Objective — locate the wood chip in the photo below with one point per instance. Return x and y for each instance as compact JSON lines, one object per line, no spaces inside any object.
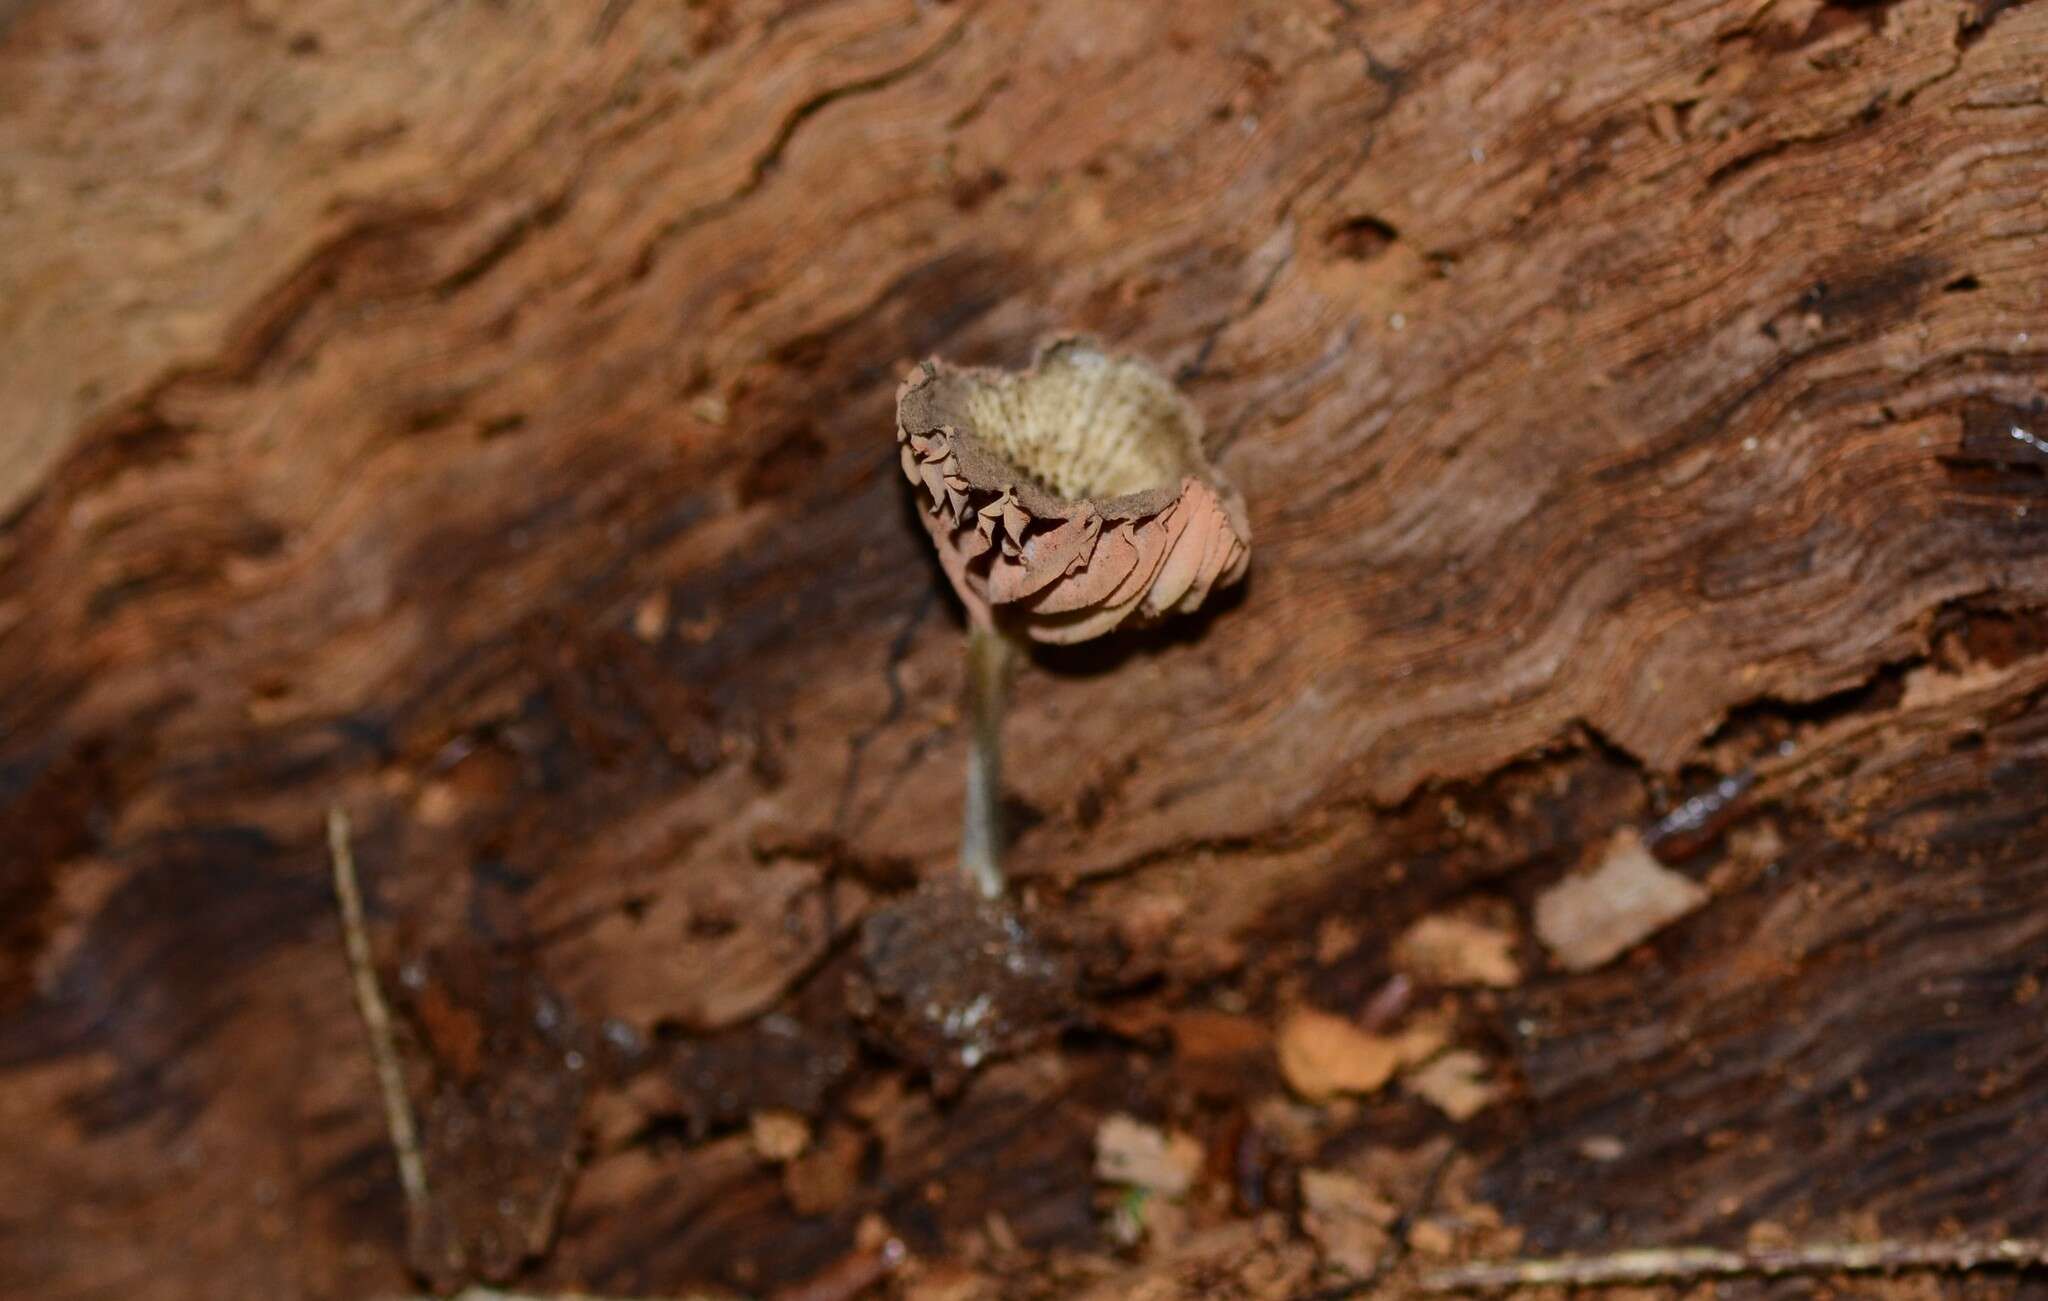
{"x":827,"y":1175}
{"x":711,"y":409}
{"x":1323,"y":1055}
{"x":779,"y":1135}
{"x":650,"y":617}
{"x":1429,"y":1237}
{"x":1455,"y":1083}
{"x":1349,"y":1222}
{"x":1129,"y":1151}
{"x":1215,"y":1053}
{"x":1587,"y":920}
{"x":950,"y":1282}
{"x":1450,"y":950}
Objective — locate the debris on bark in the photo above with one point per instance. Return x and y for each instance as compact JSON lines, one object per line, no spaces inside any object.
{"x":1452,"y":949}
{"x":776,"y":1064}
{"x":825,"y":1177}
{"x":1591,"y":919}
{"x":1129,"y":1151}
{"x":950,"y":979}
{"x":779,"y":1136}
{"x":1323,"y":1055}
{"x":1456,"y":1083}
{"x":1349,"y":1221}
{"x":511,"y":1065}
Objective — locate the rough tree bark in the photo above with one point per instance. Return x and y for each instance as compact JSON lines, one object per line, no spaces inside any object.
{"x":479,"y":415}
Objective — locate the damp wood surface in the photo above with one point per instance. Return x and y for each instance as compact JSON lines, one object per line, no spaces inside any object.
{"x":480,"y":416}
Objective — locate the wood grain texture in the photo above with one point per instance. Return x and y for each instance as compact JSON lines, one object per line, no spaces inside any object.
{"x":481,"y":415}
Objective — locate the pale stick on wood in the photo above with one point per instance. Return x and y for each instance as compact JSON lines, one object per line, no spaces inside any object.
{"x":1649,"y":1264}
{"x":412,"y":1172}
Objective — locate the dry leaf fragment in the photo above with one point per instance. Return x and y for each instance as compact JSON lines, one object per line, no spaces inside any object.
{"x":1454,"y":1083}
{"x":778,"y":1135}
{"x":827,"y":1174}
{"x":1348,"y":1220}
{"x":1429,"y":1237}
{"x":950,"y":1282}
{"x":1586,"y":920}
{"x":1452,"y":950}
{"x":650,"y":617}
{"x":1324,"y":1055}
{"x":1129,"y":1151}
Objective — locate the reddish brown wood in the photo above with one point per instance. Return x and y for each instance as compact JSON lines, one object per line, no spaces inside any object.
{"x":481,"y":415}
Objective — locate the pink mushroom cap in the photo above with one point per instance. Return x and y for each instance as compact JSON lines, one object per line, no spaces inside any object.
{"x":1070,"y":497}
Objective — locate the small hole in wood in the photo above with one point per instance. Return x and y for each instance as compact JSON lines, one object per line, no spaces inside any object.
{"x":1361,"y":238}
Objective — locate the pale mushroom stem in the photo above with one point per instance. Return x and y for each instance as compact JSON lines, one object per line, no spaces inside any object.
{"x":990,"y":658}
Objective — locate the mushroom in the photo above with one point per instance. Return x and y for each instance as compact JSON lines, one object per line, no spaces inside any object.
{"x":1066,"y":500}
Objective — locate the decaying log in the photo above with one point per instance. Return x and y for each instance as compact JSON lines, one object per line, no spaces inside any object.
{"x":480,"y":416}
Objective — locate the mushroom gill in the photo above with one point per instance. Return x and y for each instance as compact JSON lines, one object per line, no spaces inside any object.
{"x":1070,"y":497}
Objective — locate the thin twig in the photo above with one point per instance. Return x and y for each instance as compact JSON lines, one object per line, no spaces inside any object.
{"x":1644,"y":1265}
{"x":493,"y":1294}
{"x":477,"y":1292}
{"x":405,"y":1138}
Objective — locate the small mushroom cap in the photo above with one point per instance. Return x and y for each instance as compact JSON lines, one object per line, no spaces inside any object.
{"x":1069,"y":497}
